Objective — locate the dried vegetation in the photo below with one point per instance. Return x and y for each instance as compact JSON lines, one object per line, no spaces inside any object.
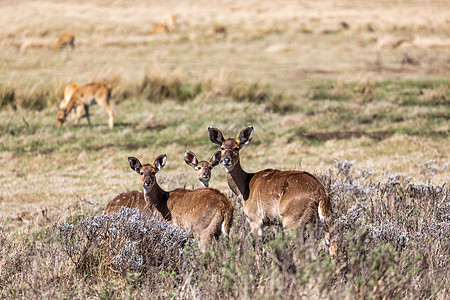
{"x":393,"y":238}
{"x":323,"y":82}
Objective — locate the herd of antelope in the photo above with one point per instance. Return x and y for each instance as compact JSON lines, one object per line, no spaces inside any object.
{"x":268,"y":196}
{"x":294,"y":197}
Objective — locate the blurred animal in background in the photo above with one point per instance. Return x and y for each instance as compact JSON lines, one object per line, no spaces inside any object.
{"x":165,"y":27}
{"x":220,"y":30}
{"x":64,"y":40}
{"x":68,"y":91}
{"x":81,"y":97}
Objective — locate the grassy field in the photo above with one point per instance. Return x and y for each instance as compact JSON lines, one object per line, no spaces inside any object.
{"x":355,"y":85}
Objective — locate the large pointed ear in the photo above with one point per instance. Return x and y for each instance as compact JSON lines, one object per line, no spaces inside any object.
{"x":190,"y":158}
{"x":215,"y":136}
{"x":135,"y":164}
{"x":245,"y":136}
{"x":215,"y":159}
{"x":160,"y":162}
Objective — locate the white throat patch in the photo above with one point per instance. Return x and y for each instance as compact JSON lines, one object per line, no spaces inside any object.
{"x":205,"y":184}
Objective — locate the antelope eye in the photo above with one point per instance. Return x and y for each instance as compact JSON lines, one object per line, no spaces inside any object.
{"x":142,"y":173}
{"x":222,"y":148}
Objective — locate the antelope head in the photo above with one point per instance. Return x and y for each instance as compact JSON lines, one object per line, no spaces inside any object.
{"x":147,"y":171}
{"x":203,"y":168}
{"x":230,"y":147}
{"x":61,"y":116}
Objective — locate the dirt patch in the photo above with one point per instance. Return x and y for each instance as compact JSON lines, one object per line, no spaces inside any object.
{"x":342,"y":135}
{"x":302,"y":72}
{"x":99,"y":147}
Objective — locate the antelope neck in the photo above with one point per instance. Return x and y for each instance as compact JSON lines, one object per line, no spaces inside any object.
{"x":238,"y":181}
{"x":157,"y":198}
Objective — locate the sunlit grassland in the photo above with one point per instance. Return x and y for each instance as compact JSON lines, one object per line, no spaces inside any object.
{"x":321,"y":82}
{"x":310,"y":133}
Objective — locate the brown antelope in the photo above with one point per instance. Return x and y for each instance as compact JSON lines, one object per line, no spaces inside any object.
{"x":164,"y":27}
{"x":220,"y":30}
{"x":63,"y":41}
{"x":205,"y":213}
{"x":84,"y":96}
{"x":203,"y":168}
{"x":295,"y":197}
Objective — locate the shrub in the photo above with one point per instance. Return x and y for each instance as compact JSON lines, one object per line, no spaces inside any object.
{"x":393,"y":239}
{"x":127,"y":241}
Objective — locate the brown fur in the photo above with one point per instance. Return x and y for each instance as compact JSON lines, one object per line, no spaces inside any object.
{"x":200,"y":212}
{"x":160,"y":28}
{"x":84,"y":96}
{"x":269,"y":195}
{"x":66,"y":39}
{"x":203,"y":167}
{"x":68,"y":91}
{"x":164,"y":27}
{"x":220,"y":30}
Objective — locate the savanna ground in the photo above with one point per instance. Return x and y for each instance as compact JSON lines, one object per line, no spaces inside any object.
{"x":324,"y":83}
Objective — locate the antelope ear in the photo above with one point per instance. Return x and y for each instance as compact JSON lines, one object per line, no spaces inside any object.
{"x":160,"y":162}
{"x":215,"y":136}
{"x":190,"y":158}
{"x":245,"y":136}
{"x":215,"y":159}
{"x":135,"y":164}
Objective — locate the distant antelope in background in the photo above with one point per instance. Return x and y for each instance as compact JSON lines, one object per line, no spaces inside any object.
{"x":66,"y":39}
{"x":165,"y":27}
{"x":220,"y":30}
{"x":295,"y":197}
{"x":203,"y":167}
{"x":206,"y":213}
{"x":81,"y":98}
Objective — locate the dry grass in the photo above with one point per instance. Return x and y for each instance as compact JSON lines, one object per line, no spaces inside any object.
{"x":392,"y":236}
{"x":321,"y":81}
{"x":118,"y":43}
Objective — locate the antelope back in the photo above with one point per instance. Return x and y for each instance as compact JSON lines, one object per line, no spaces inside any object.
{"x":131,"y":199}
{"x":292,"y":195}
{"x":202,"y":211}
{"x":99,"y":91}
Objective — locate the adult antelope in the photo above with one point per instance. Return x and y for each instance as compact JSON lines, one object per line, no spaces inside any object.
{"x":82,"y":97}
{"x":165,"y":27}
{"x":63,"y":41}
{"x":295,"y":197}
{"x":203,"y":167}
{"x":205,"y":213}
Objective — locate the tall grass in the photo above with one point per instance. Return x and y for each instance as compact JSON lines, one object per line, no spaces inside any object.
{"x":152,"y":88}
